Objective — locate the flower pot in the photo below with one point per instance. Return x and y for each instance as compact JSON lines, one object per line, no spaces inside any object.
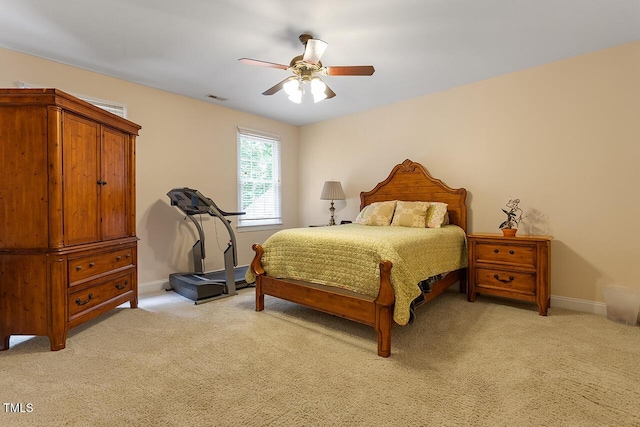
{"x":510,"y":232}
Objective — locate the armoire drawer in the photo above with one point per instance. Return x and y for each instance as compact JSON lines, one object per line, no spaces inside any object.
{"x":100,"y":263}
{"x":93,"y":296}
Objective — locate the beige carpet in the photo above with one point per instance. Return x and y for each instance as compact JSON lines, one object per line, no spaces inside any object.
{"x":172,"y":363}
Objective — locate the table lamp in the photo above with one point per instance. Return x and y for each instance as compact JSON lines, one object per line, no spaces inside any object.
{"x":332,"y":190}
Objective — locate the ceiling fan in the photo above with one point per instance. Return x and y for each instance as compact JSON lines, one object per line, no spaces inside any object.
{"x":306,"y":69}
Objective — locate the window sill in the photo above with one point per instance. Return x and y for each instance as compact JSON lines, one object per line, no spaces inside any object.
{"x":250,"y":228}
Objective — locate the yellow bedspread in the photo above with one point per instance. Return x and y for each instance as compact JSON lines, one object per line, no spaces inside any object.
{"x":348,"y":256}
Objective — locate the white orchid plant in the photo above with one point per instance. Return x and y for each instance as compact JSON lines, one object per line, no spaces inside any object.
{"x":514,"y":214}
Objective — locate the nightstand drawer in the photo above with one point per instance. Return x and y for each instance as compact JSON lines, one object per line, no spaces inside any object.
{"x":505,"y":253}
{"x":504,"y":280}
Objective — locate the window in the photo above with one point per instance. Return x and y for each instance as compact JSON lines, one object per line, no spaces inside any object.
{"x":259,"y":185}
{"x":112,"y":107}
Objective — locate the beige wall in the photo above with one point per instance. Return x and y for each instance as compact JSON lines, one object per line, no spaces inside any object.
{"x":183,"y":142}
{"x":563,"y":137}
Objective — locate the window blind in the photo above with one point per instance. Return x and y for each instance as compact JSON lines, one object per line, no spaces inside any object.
{"x":259,"y":183}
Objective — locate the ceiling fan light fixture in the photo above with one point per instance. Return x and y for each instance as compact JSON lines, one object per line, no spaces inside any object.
{"x":296,"y":96}
{"x":292,"y":86}
{"x":305,"y":67}
{"x":318,"y":89}
{"x":317,"y":86}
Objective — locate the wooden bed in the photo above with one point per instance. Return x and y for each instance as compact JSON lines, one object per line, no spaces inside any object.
{"x":408,"y":181}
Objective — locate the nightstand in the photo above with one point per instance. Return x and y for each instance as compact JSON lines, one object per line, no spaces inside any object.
{"x":512,"y":267}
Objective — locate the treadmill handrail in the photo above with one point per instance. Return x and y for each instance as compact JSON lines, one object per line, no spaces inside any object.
{"x":194,"y":197}
{"x":224,"y":213}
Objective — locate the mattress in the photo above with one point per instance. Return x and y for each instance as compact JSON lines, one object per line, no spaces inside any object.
{"x":348,"y":256}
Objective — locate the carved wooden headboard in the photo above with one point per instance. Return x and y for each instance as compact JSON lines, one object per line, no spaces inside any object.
{"x":410,"y":181}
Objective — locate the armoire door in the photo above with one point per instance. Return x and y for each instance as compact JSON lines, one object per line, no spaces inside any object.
{"x":23,"y":178}
{"x":115,"y":184}
{"x":81,"y":176}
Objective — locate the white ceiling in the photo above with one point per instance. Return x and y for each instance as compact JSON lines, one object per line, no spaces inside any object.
{"x":192,"y":47}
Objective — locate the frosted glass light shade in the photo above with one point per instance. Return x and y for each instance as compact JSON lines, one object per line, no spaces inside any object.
{"x":291,"y":86}
{"x":296,"y":96}
{"x":317,"y":86}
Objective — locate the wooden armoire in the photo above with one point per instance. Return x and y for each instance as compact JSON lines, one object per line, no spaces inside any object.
{"x":68,"y":245}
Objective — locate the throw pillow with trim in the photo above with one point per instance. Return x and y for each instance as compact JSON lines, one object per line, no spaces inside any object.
{"x":436,"y":214}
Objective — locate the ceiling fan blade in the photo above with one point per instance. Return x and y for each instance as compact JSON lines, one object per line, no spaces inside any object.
{"x":276,"y":88}
{"x":263,"y":63}
{"x":329,"y":93}
{"x":314,"y":50}
{"x":354,"y":70}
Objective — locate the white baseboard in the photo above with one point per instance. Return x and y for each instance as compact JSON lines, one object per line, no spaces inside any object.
{"x":556,"y":301}
{"x":579,"y":305}
{"x":149,"y":287}
{"x":575,"y":304}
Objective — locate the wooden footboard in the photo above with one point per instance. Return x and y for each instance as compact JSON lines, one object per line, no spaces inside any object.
{"x":376,"y":312}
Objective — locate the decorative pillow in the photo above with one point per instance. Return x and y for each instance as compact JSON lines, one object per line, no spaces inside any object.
{"x":436,"y":214}
{"x":446,"y":219}
{"x":379,"y":213}
{"x":361,"y":215}
{"x":410,"y":214}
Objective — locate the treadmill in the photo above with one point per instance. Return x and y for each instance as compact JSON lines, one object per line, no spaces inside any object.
{"x":200,"y":286}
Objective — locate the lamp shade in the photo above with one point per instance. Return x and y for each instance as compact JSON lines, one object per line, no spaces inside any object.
{"x":332,"y":190}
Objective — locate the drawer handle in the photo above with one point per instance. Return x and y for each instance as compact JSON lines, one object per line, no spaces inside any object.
{"x":78,"y":267}
{"x":91,"y":264}
{"x":118,"y":258}
{"x":118,"y":287}
{"x":128,"y":256}
{"x":511,"y":278}
{"x":495,"y":251}
{"x":80,"y":302}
